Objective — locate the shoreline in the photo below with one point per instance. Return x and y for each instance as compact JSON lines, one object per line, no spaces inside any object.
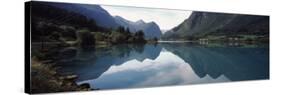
{"x":45,"y":78}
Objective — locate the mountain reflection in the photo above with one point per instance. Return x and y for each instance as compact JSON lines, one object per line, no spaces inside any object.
{"x":166,"y":69}
{"x":91,"y":63}
{"x":129,"y":65}
{"x":236,"y":63}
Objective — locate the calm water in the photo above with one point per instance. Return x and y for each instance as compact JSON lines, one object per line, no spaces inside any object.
{"x":126,"y":66}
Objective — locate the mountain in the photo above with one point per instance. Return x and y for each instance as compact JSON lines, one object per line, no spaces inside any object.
{"x":96,"y":12}
{"x":125,"y":23}
{"x":205,"y":23}
{"x":150,"y":29}
{"x":57,"y":23}
{"x":104,"y":19}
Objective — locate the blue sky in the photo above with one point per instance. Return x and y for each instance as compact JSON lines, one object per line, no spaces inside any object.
{"x":166,"y":19}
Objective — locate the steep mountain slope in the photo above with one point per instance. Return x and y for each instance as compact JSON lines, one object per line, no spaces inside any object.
{"x":96,"y":12}
{"x":205,"y":23}
{"x":150,"y":29}
{"x":50,"y":23}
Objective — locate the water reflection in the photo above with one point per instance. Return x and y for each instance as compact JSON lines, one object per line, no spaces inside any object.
{"x":236,"y":63}
{"x":161,"y":71}
{"x":91,"y":63}
{"x":125,"y":66}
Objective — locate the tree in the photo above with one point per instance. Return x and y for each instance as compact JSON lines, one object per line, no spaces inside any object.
{"x":85,"y":38}
{"x":121,"y":29}
{"x":155,"y":39}
{"x":117,"y":37}
{"x":127,"y":30}
{"x":139,"y":36}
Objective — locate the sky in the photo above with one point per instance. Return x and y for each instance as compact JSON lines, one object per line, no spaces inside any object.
{"x":166,"y":19}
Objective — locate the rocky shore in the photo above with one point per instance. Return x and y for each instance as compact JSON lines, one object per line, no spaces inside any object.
{"x":46,"y":79}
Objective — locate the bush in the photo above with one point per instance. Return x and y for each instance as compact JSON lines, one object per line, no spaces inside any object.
{"x":117,"y":37}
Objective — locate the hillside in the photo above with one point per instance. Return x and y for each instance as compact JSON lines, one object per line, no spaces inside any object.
{"x":201,"y":24}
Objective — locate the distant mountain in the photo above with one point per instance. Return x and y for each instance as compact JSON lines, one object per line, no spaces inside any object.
{"x":125,"y":23}
{"x":150,"y":29}
{"x":96,"y":12}
{"x":206,"y":23}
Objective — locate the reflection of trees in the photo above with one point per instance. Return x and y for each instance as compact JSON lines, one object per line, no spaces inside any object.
{"x":120,"y":51}
{"x":138,"y":48}
{"x":233,"y":62}
{"x":91,"y":63}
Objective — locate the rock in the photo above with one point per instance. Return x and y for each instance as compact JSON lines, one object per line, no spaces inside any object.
{"x":47,"y":61}
{"x":60,"y":83}
{"x":61,"y":78}
{"x":71,"y":77}
{"x":69,"y":84}
{"x":53,"y":72}
{"x":85,"y":85}
{"x":95,"y":89}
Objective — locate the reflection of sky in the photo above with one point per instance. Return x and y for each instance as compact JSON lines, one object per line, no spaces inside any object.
{"x":166,"y":69}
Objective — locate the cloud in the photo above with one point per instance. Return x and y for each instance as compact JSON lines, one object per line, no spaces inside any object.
{"x":166,"y":19}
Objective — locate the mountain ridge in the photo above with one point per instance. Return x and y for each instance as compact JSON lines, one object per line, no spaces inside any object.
{"x":205,"y":23}
{"x":150,"y":29}
{"x":95,"y":12}
{"x":104,"y":19}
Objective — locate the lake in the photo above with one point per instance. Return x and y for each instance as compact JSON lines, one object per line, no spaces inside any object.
{"x":162,"y":64}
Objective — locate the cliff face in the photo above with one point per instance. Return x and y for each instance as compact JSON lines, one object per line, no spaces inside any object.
{"x":204,"y":23}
